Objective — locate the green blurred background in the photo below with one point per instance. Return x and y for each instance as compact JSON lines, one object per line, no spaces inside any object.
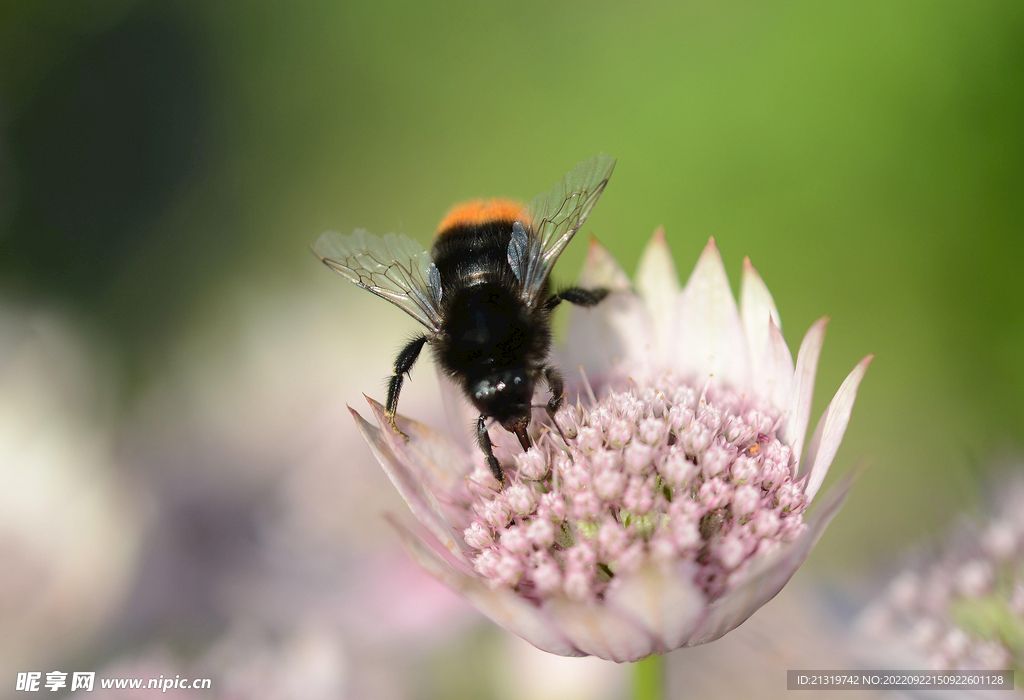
{"x":160,"y":158}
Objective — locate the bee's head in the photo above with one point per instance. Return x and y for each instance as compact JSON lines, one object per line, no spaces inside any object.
{"x":506,"y":395}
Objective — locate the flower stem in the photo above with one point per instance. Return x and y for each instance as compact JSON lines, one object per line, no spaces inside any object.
{"x":649,"y":678}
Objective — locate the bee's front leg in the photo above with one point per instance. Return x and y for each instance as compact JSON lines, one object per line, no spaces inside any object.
{"x":557,"y":386}
{"x":484,"y":440}
{"x":578,"y":296}
{"x":403,"y":365}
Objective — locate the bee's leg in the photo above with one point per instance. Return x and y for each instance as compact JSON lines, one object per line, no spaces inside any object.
{"x":577,"y":296}
{"x":403,"y":365}
{"x":484,"y":440}
{"x":557,"y":385}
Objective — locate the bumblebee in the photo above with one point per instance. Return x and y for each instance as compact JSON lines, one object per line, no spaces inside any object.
{"x":482,"y":293}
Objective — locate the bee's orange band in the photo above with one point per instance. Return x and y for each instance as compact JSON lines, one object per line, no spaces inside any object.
{"x":480,"y":211}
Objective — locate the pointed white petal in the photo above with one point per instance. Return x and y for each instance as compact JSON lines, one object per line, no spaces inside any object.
{"x":601,"y":269}
{"x":665,"y":601}
{"x":501,"y":605}
{"x":799,"y":414}
{"x":658,"y":284}
{"x":756,"y":308}
{"x":615,"y":331}
{"x":432,"y":457}
{"x":773,"y":375}
{"x":831,"y":428}
{"x":600,"y":630}
{"x":419,"y":499}
{"x":768,"y":578}
{"x":708,"y":337}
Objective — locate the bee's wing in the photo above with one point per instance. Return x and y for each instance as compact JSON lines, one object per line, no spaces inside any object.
{"x":551,"y":219}
{"x":394,"y":267}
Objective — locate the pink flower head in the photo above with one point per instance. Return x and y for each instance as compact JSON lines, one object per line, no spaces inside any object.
{"x":667,"y":502}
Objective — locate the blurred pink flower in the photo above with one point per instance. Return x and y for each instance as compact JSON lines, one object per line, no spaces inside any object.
{"x":661,"y":514}
{"x":962,"y":607}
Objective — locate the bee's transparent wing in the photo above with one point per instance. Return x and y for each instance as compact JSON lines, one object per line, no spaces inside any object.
{"x":551,"y":219}
{"x":393,"y":267}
